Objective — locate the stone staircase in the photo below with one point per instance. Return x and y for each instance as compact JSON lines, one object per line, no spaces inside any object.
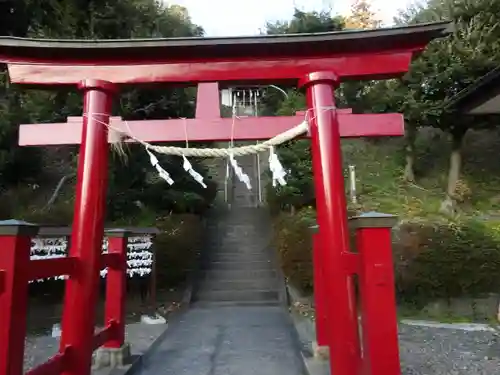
{"x":238,"y":265}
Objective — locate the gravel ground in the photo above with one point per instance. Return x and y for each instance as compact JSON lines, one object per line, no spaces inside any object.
{"x":438,"y":351}
{"x":427,"y":350}
{"x":140,"y":336}
{"x":423,"y":350}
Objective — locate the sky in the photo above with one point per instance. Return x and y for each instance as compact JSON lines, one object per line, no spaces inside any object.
{"x":246,"y":17}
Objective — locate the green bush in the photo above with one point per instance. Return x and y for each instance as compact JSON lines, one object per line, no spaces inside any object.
{"x":446,"y":260}
{"x":432,"y":260}
{"x":176,"y":248}
{"x":293,"y":241}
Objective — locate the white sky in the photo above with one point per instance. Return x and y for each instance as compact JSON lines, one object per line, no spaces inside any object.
{"x":246,"y":17}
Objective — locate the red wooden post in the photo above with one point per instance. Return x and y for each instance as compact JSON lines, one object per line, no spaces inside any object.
{"x":377,"y":293}
{"x":320,"y":295}
{"x":332,"y":219}
{"x":114,"y":308}
{"x":15,"y":242}
{"x":88,"y":228}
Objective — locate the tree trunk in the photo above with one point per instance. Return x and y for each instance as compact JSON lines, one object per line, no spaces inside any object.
{"x":448,"y":206}
{"x":58,"y":188}
{"x":411,"y":136}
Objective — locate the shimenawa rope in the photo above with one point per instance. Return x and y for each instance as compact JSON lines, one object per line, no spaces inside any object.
{"x":286,"y":136}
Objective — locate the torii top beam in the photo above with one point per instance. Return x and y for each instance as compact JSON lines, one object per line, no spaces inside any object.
{"x":208,"y":125}
{"x":370,"y":54}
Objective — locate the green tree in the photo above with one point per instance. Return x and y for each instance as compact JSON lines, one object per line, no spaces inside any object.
{"x":306,"y":22}
{"x":296,"y":155}
{"x":447,"y":66}
{"x":132,"y":181}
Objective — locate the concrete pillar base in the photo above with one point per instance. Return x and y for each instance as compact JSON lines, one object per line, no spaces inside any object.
{"x":111,"y":357}
{"x":320,"y":352}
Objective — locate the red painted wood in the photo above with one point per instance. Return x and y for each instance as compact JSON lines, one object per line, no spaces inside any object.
{"x":88,"y":226}
{"x":208,"y":101}
{"x":104,"y":335}
{"x":354,"y":66}
{"x":320,"y":292}
{"x":13,"y":302}
{"x":351,"y":263}
{"x":378,"y":301}
{"x":361,"y":59}
{"x":332,"y":220}
{"x":192,"y":50}
{"x":114,"y":308}
{"x":3,"y":275}
{"x":112,"y":260}
{"x":54,"y":365}
{"x":246,"y":128}
{"x":43,"y":268}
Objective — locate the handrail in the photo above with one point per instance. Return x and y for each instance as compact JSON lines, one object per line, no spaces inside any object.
{"x":55,"y":365}
{"x":17,"y":270}
{"x":43,"y":268}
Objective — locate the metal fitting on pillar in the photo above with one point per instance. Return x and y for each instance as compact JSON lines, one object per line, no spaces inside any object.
{"x":319,"y":77}
{"x":99,"y":85}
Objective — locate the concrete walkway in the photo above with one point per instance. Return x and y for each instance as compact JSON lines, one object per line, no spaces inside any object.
{"x":233,"y":340}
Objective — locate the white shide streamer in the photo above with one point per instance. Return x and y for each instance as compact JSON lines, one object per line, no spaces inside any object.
{"x":230,"y":152}
{"x":189,"y":169}
{"x":276,"y":168}
{"x":161,"y":172}
{"x":139,"y":254}
{"x":242,"y":176}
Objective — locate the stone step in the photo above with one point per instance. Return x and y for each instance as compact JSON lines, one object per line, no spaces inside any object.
{"x":238,"y":295}
{"x":241,"y":246}
{"x":239,"y":257}
{"x":220,"y":266}
{"x":212,"y":304}
{"x":232,"y":274}
{"x":257,"y":243}
{"x":227,"y":234}
{"x":251,"y":284}
{"x":241,"y":215}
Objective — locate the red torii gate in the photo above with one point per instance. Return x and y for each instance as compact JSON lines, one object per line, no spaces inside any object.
{"x":317,"y":62}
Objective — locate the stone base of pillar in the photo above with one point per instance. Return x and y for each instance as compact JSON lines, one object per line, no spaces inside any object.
{"x":320,"y":352}
{"x":111,"y":357}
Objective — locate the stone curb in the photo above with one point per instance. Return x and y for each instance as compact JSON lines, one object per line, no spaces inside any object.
{"x":469,"y":327}
{"x":312,"y":366}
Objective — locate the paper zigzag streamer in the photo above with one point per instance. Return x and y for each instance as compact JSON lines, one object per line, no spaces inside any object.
{"x":189,"y":169}
{"x":242,"y":176}
{"x":276,"y":168}
{"x":161,"y":172}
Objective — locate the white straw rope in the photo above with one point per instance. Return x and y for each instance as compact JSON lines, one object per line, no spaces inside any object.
{"x":286,"y":136}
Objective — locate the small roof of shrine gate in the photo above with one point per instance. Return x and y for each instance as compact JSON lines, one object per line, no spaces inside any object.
{"x":191,"y":60}
{"x":480,"y":98}
{"x":139,"y":50}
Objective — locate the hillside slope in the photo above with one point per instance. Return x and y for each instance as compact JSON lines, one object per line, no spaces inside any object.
{"x":379,"y":169}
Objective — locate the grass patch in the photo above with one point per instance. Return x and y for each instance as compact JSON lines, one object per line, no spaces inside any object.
{"x":379,"y":170}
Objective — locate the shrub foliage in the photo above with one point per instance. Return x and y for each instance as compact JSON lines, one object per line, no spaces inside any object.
{"x":432,"y":260}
